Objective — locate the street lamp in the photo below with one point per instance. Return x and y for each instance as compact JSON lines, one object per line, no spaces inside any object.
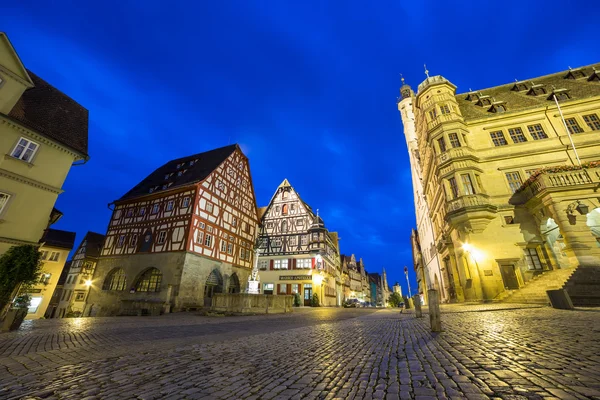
{"x":475,"y":254}
{"x":88,"y":283}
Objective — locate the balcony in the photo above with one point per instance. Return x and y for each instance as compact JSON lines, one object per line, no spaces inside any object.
{"x":555,"y":179}
{"x":471,"y":212}
{"x":442,"y":118}
{"x":456,"y":153}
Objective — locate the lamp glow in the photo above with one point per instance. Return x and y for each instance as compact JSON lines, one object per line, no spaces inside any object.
{"x":88,"y":283}
{"x":318,"y":278}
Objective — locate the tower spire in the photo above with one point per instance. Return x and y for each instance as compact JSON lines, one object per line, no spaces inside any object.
{"x":426,"y":71}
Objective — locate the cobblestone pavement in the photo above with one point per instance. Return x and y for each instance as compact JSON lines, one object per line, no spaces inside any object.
{"x":524,"y":353}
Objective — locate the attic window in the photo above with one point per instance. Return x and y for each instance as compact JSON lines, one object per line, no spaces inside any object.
{"x":519,"y":87}
{"x":473,"y":96}
{"x":151,"y":190}
{"x":484,"y":101}
{"x":180,"y":165}
{"x":498,"y":107}
{"x":595,"y":76}
{"x":561,"y":94}
{"x":575,"y":74}
{"x":536,"y":90}
{"x":192,"y":162}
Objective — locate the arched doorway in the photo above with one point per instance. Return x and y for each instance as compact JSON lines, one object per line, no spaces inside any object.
{"x":593,"y":221}
{"x":234,"y":284}
{"x":214,"y":284}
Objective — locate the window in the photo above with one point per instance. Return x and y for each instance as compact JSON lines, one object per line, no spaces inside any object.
{"x":433,"y":114}
{"x":498,"y":138}
{"x":234,"y":222}
{"x":277,"y":242}
{"x":208,"y":241}
{"x":485,"y":101}
{"x":230,"y":248}
{"x":293,"y":207}
{"x":149,"y":281}
{"x":129,"y":212}
{"x":536,"y":90}
{"x":155,"y":208}
{"x":199,"y":237}
{"x":277,"y":209}
{"x":24,"y":150}
{"x":591,"y":120}
{"x":284,"y":209}
{"x":299,"y":222}
{"x":537,"y":132}
{"x":293,"y":240}
{"x":533,"y":259}
{"x":284,"y":264}
{"x":284,"y":226}
{"x":268,"y":288}
{"x":295,"y":288}
{"x":445,"y":109}
{"x":142,"y":211}
{"x":517,"y":136}
{"x":519,"y":87}
{"x":442,"y":145}
{"x":562,"y":96}
{"x":304,"y":239}
{"x":209,"y":207}
{"x":80,"y":296}
{"x":186,"y":202}
{"x":573,"y":126}
{"x":454,"y":142}
{"x":45,"y":278}
{"x":499,"y":108}
{"x":269,"y":225}
{"x":509,"y":219}
{"x":283,"y":288}
{"x":169,"y":205}
{"x":244,"y":254}
{"x":162,"y":235}
{"x":467,"y":184}
{"x":202,"y":225}
{"x":133,"y":240}
{"x":530,"y":172}
{"x":304,"y":263}
{"x":121,"y":241}
{"x":223,"y":246}
{"x":34,"y":303}
{"x":263,"y":265}
{"x":44,"y":255}
{"x":276,"y":264}
{"x":514,"y":181}
{"x":453,"y":187}
{"x":220,"y":185}
{"x":284,"y":195}
{"x":245,"y":227}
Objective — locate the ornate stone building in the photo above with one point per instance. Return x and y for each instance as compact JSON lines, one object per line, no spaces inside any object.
{"x":509,"y":178}
{"x":183,"y":233}
{"x":297,"y":252}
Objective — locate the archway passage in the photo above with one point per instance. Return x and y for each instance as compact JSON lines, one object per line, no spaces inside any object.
{"x":213,"y":285}
{"x":234,"y":284}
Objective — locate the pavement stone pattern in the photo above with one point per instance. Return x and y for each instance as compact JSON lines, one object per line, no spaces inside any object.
{"x":325,"y":353}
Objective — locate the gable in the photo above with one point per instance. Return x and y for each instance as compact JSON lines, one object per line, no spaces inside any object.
{"x":11,"y":63}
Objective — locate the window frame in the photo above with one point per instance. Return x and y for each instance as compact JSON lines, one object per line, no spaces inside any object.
{"x":498,"y":138}
{"x":26,"y":147}
{"x":467,"y":183}
{"x":454,"y":140}
{"x":593,"y":123}
{"x":4,"y":200}
{"x":535,"y":133}
{"x":510,"y":182}
{"x":573,"y":125}
{"x":517,"y":135}
{"x":453,"y":187}
{"x":163,"y":234}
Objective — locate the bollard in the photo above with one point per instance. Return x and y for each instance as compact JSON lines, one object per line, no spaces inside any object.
{"x":417,"y":303}
{"x":434,"y":311}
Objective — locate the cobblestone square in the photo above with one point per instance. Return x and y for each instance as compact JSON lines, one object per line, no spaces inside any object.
{"x":326,"y":353}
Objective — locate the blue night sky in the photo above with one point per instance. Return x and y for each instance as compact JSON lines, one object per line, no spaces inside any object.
{"x":308,"y":89}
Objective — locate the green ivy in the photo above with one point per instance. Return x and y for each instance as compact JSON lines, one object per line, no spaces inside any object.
{"x":20,"y":265}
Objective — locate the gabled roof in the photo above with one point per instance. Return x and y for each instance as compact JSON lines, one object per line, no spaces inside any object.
{"x":521,"y":100}
{"x":25,"y":78}
{"x":48,"y":111}
{"x":203,"y":164}
{"x":94,"y":244}
{"x":58,"y":238}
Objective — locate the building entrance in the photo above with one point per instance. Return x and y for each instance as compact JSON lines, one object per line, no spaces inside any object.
{"x":307,"y":295}
{"x":509,"y":276}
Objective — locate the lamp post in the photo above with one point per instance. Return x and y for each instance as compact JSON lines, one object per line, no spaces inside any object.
{"x":407,"y":281}
{"x":467,"y":248}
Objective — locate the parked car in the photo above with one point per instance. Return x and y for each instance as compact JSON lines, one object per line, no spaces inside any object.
{"x":352,"y":303}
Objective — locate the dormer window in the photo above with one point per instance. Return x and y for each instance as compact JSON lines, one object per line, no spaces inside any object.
{"x":180,"y":165}
{"x":595,"y":76}
{"x":498,"y":107}
{"x":192,"y":162}
{"x":484,"y":101}
{"x":520,"y":86}
{"x":575,"y":74}
{"x":561,"y":94}
{"x":473,"y":96}
{"x":536,"y":90}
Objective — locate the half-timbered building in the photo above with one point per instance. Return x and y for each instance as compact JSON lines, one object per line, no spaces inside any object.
{"x":185,"y":232}
{"x":297,"y":252}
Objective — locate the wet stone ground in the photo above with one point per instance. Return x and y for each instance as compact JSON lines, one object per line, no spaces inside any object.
{"x":484,"y":352}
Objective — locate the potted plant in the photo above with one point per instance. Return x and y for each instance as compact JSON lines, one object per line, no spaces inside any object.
{"x":315,"y":300}
{"x":297,"y":299}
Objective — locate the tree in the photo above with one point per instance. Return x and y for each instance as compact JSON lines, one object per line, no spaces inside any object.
{"x":19,"y":266}
{"x":395,"y":299}
{"x":315,"y":300}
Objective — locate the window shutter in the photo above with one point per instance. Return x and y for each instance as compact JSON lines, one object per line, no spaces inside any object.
{"x":291,"y":263}
{"x":278,"y":289}
{"x":313,"y":263}
{"x":271,"y":265}
{"x":289,"y":289}
{"x":294,"y":265}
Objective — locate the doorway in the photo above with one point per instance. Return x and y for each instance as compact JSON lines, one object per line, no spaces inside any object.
{"x":509,"y":276}
{"x":307,"y":295}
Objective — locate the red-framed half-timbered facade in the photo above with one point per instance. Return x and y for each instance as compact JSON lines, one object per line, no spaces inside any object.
{"x":182,"y":234}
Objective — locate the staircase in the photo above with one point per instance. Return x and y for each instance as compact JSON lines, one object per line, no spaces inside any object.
{"x":534,"y":291}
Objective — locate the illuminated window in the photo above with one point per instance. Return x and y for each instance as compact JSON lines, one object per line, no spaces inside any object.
{"x":514,"y":181}
{"x":199,"y":237}
{"x":169,"y":205}
{"x":44,"y":255}
{"x":498,"y":138}
{"x":517,"y":136}
{"x":263,"y":265}
{"x":115,"y":280}
{"x":283,"y":288}
{"x":24,"y":150}
{"x":537,"y":132}
{"x":533,"y":259}
{"x":155,"y":208}
{"x":149,"y":281}
{"x":304,"y":263}
{"x":186,"y":202}
{"x":34,"y":303}
{"x":284,"y":209}
{"x":268,"y":288}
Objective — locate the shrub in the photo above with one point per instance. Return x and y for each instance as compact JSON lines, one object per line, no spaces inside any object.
{"x":297,"y":299}
{"x":20,"y":266}
{"x":315,"y":300}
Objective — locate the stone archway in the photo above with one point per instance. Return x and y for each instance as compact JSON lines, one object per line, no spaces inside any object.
{"x":553,"y":237}
{"x":593,"y":222}
{"x":234,"y":284}
{"x":213,"y":285}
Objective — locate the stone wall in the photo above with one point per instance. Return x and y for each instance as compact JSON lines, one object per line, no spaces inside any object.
{"x":253,"y":303}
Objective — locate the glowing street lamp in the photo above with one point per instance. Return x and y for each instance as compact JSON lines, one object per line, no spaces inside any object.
{"x":476,"y":255}
{"x":88,"y":283}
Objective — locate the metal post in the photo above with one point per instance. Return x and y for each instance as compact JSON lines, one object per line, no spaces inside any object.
{"x":567,"y":129}
{"x":417,"y":301}
{"x":407,"y":281}
{"x":435,"y":320}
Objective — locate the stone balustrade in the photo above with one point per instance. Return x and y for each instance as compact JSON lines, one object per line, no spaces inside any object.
{"x":252,"y":303}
